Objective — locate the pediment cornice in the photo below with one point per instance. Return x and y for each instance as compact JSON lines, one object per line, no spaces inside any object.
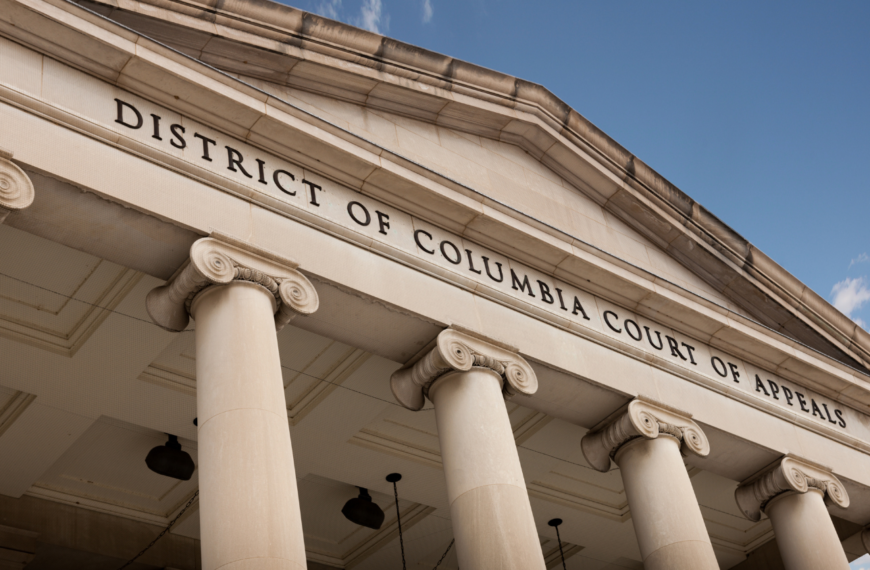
{"x":167,"y":77}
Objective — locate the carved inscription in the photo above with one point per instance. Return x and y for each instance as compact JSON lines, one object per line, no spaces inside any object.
{"x":493,"y":274}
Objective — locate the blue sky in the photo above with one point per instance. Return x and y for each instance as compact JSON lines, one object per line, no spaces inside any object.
{"x":759,"y":111}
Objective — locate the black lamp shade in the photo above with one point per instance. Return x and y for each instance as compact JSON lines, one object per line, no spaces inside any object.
{"x":170,"y":460}
{"x":363,"y":511}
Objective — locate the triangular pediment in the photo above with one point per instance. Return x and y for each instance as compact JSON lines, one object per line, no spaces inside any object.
{"x":491,"y":137}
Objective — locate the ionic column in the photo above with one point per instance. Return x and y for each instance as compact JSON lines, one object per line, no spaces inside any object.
{"x":16,"y":189}
{"x":646,"y":440}
{"x":467,"y":379}
{"x":793,"y":492}
{"x":249,"y":504}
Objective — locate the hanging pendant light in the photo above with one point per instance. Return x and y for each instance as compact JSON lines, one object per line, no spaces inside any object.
{"x":555,"y":524}
{"x":395,"y":478}
{"x":363,"y":511}
{"x":169,"y":460}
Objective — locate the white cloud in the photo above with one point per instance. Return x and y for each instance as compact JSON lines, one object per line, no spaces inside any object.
{"x":850,"y":295}
{"x":329,"y":8}
{"x":372,"y":17}
{"x":427,"y":11}
{"x":861,"y":563}
{"x":863,"y":258}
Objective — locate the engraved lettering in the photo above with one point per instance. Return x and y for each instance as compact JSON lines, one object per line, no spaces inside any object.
{"x":609,"y":324}
{"x":518,"y":285}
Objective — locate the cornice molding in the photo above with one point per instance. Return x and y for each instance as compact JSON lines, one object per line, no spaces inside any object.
{"x":17,"y":403}
{"x":642,"y":417}
{"x":461,"y":350}
{"x":220,"y":260}
{"x":16,"y":189}
{"x":791,"y":473}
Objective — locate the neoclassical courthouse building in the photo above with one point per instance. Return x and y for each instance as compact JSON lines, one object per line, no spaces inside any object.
{"x":229,"y":225}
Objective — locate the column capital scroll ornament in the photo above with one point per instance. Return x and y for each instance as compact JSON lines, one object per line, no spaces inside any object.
{"x":646,"y":418}
{"x":219,"y":260}
{"x":459,"y":350}
{"x":16,"y":189}
{"x":791,"y":473}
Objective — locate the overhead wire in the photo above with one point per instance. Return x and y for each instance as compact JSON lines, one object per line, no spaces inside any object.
{"x":162,"y":533}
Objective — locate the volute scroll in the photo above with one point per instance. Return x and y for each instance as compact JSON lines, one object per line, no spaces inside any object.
{"x":646,"y":418}
{"x":16,"y":188}
{"x":789,"y":474}
{"x":220,"y":260}
{"x":457,"y":350}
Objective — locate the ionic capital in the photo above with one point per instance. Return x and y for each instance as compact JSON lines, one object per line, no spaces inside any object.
{"x":16,"y":189}
{"x":461,"y":350}
{"x":642,"y":417}
{"x":791,"y":473}
{"x":219,"y":260}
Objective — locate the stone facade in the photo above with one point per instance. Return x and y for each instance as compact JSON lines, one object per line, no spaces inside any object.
{"x":244,"y":225}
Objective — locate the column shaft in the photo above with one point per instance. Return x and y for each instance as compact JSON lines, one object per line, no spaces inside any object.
{"x":249,"y":504}
{"x":667,"y":519}
{"x":489,"y":504}
{"x":804,"y":532}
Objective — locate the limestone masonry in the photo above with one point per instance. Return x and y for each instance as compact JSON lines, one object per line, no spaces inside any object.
{"x":494,"y":337}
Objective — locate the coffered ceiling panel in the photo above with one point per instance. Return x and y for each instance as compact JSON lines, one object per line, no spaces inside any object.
{"x":312,"y":366}
{"x":560,"y":474}
{"x":414,"y":435}
{"x":552,"y":554}
{"x":332,"y":539}
{"x":105,"y":469}
{"x":58,"y":302}
{"x":175,"y":367}
{"x":12,"y":405}
{"x":728,"y":528}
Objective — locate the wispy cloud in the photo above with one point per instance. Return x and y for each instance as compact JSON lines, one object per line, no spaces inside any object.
{"x":863,"y":258}
{"x":372,"y":17}
{"x":329,"y":8}
{"x":427,"y":11}
{"x":850,"y":295}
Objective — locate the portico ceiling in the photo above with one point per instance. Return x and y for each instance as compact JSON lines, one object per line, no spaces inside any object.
{"x":87,"y":423}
